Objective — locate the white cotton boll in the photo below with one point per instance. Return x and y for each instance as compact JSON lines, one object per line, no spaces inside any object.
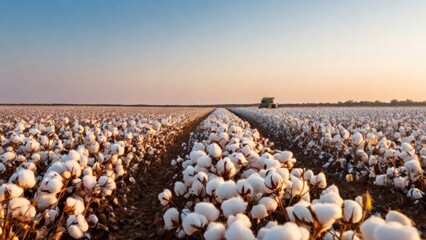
{"x":414,"y":169}
{"x":165,"y":197}
{"x":208,"y":210}
{"x":214,"y":151}
{"x":107,"y":185}
{"x":77,"y":226}
{"x":350,"y":235}
{"x":372,"y":160}
{"x":198,"y":146}
{"x":298,"y":187}
{"x":26,"y":178}
{"x":197,"y":189}
{"x":297,"y":172}
{"x":180,"y":188}
{"x":415,"y":193}
{"x":273,"y":182}
{"x":45,"y":200}
{"x":238,"y":159}
{"x":73,"y":155}
{"x":119,"y":170}
{"x":257,"y":182}
{"x":244,"y":188}
{"x":239,"y":218}
{"x":259,"y":211}
{"x":10,"y":191}
{"x":226,"y":190}
{"x":74,"y":168}
{"x":233,"y":206}
{"x":381,"y":180}
{"x":332,"y":188}
{"x":171,"y":219}
{"x":225,"y":168}
{"x":352,"y":211}
{"x":195,"y":155}
{"x":269,"y":203}
{"x":215,"y":231}
{"x":300,"y":212}
{"x":331,"y":197}
{"x":400,"y":183}
{"x":357,"y":138}
{"x":2,"y":168}
{"x":319,"y":180}
{"x":213,"y":184}
{"x":74,"y":206}
{"x":327,"y":213}
{"x":395,"y":216}
{"x":369,"y":226}
{"x":21,"y":209}
{"x":395,"y":231}
{"x":92,"y":220}
{"x":7,"y":157}
{"x":238,"y":231}
{"x":89,"y":182}
{"x":204,"y":162}
{"x":308,"y":175}
{"x":193,"y":222}
{"x":288,"y":231}
{"x":50,"y":216}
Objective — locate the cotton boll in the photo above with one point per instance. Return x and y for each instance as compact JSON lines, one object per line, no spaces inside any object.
{"x":107,"y":185}
{"x":225,"y":168}
{"x":259,"y":211}
{"x":89,"y":182}
{"x":319,"y":180}
{"x":180,"y":188}
{"x":381,"y":180}
{"x":369,"y":226}
{"x":208,"y":210}
{"x":300,"y":212}
{"x":350,"y":235}
{"x":400,"y":183}
{"x":244,"y":188}
{"x":193,"y":222}
{"x":238,"y":231}
{"x":414,"y":169}
{"x":74,"y":168}
{"x":257,"y":182}
{"x":233,"y":206}
{"x":74,"y":206}
{"x":357,"y":138}
{"x":394,"y":216}
{"x":331,"y":197}
{"x":165,"y":197}
{"x":298,"y":187}
{"x":308,"y":175}
{"x":195,"y":155}
{"x":297,"y":172}
{"x":395,"y":231}
{"x":269,"y":203}
{"x":25,"y":178}
{"x":288,"y":231}
{"x":45,"y":200}
{"x":415,"y":193}
{"x":77,"y":226}
{"x":273,"y":182}
{"x":327,"y":213}
{"x":352,"y":211}
{"x":92,"y":220}
{"x":215,"y":231}
{"x":214,"y":151}
{"x":50,"y":216}
{"x":213,"y":184}
{"x":171,"y":219}
{"x":21,"y":210}
{"x":239,"y":218}
{"x":73,"y":155}
{"x":197,"y":189}
{"x":226,"y":190}
{"x":204,"y":162}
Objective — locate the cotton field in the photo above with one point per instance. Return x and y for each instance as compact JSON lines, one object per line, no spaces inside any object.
{"x":60,"y":167}
{"x":386,"y":147}
{"x":198,"y":173}
{"x":235,"y":185}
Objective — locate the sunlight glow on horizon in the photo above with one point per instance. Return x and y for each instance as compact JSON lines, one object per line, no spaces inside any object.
{"x":211,"y":52}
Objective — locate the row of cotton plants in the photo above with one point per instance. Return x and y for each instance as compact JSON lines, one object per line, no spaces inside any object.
{"x":60,"y":167}
{"x":385,"y":146}
{"x":232,"y":185}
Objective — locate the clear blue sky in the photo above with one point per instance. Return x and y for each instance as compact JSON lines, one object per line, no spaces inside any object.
{"x":224,"y":51}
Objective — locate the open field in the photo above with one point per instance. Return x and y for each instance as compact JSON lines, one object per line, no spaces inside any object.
{"x":75,"y":172}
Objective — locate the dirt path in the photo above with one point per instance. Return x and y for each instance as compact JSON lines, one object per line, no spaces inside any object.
{"x":384,"y":198}
{"x":143,"y":217}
